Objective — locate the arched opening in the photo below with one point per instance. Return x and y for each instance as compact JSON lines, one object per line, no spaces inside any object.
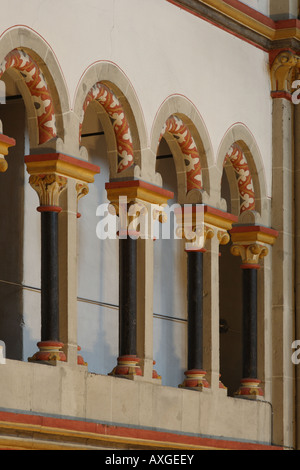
{"x":97,"y":253}
{"x":170,"y":278}
{"x":108,"y":132}
{"x":29,"y":116}
{"x":237,"y":190}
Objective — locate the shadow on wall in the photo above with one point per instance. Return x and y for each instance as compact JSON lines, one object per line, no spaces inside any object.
{"x":12,"y":231}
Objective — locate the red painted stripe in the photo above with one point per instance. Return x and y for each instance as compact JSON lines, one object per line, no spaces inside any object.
{"x":249,"y":11}
{"x":127,"y":432}
{"x":49,"y":209}
{"x":223,"y":28}
{"x":254,"y":228}
{"x":250,"y":266}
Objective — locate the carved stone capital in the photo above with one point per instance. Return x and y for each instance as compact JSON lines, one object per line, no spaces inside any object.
{"x":223,"y":237}
{"x":5,"y":143}
{"x":197,"y":236}
{"x":82,"y":190}
{"x":250,"y":254}
{"x":48,"y":188}
{"x":283,"y":72}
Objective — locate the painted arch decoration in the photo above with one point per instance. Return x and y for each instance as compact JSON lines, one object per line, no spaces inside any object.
{"x":178,"y":129}
{"x":238,"y":160}
{"x":38,"y":89}
{"x":101,"y":93}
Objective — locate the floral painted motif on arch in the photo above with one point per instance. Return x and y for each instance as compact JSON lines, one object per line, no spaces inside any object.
{"x":237,"y":158}
{"x":38,"y":88}
{"x":176,"y":127}
{"x":105,"y":96}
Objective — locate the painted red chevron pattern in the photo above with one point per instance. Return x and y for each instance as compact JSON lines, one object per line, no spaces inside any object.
{"x":38,"y":88}
{"x":106,"y":97}
{"x":176,"y":127}
{"x":245,"y":184}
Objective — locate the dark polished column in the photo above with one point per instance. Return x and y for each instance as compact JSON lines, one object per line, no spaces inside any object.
{"x":250,"y":323}
{"x":195,"y":375}
{"x":251,"y":244}
{"x":49,"y":187}
{"x":49,"y":276}
{"x":195,"y":309}
{"x":127,"y":363}
{"x":250,"y":384}
{"x":127,"y":296}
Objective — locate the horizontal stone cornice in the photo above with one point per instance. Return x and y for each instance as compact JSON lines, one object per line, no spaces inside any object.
{"x":245,"y":22}
{"x":64,"y":165}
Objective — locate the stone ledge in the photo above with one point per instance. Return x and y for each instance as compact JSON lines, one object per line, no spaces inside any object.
{"x":74,"y":393}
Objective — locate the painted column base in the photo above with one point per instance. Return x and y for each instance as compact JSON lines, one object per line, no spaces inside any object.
{"x":80,"y":360}
{"x":221,"y":385}
{"x":127,"y":367}
{"x":155,"y":374}
{"x":250,"y":388}
{"x":49,"y":352}
{"x":195,"y":379}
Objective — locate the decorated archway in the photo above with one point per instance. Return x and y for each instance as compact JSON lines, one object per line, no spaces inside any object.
{"x":42,"y":101}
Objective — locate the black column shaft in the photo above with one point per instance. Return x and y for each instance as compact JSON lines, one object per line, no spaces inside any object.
{"x":249,"y":323}
{"x":195,"y":310}
{"x":49,"y":276}
{"x":127,"y":296}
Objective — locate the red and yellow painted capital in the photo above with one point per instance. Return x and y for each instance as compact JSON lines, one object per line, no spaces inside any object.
{"x":251,"y":243}
{"x":63,"y":165}
{"x":135,"y":190}
{"x":198,"y":223}
{"x":49,"y":174}
{"x":138,"y":204}
{"x":48,"y":187}
{"x":5,"y":143}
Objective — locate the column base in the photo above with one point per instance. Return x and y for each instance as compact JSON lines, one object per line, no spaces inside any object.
{"x":50,"y":352}
{"x":155,"y":374}
{"x":250,"y":389}
{"x":195,"y":379}
{"x":127,"y":367}
{"x":221,"y":385}
{"x":80,"y":360}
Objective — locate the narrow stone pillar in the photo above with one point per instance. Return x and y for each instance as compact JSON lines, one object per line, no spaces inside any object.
{"x":48,"y":188}
{"x":284,"y":68}
{"x":251,"y":244}
{"x":137,"y":204}
{"x":59,"y":242}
